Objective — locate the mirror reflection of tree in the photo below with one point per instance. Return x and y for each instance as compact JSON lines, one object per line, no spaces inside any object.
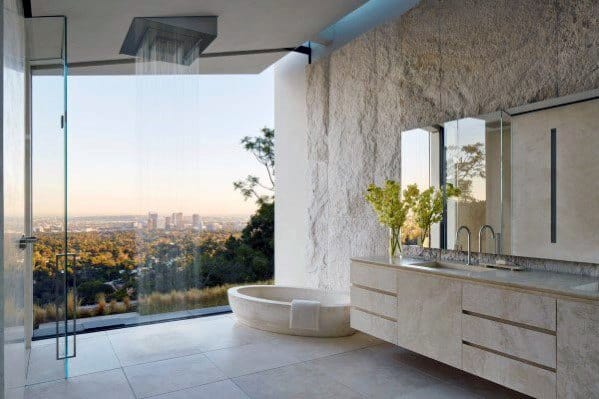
{"x":466,"y":168}
{"x":465,"y":164}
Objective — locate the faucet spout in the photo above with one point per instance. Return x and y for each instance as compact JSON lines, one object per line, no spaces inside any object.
{"x":480,"y":235}
{"x":457,"y":233}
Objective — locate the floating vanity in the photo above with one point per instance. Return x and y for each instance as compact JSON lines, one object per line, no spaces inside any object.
{"x":532,"y":331}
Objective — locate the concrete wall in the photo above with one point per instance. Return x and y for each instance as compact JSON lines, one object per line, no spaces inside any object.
{"x":291,"y":160}
{"x":440,"y":61}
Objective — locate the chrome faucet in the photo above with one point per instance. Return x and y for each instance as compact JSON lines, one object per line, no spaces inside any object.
{"x":457,"y":233}
{"x":480,"y":236}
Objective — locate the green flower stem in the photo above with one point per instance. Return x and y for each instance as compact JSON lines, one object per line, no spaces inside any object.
{"x":395,"y":250}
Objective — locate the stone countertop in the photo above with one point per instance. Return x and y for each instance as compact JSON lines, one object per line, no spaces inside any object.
{"x":561,"y":284}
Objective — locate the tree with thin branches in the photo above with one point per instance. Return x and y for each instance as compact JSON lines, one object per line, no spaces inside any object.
{"x":263,"y":149}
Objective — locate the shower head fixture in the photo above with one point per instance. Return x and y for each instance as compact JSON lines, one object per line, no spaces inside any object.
{"x":178,"y":40}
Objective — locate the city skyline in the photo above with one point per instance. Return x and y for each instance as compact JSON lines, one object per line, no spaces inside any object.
{"x":149,"y":221}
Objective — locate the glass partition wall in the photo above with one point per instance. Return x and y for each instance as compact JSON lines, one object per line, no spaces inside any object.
{"x":54,"y":265}
{"x":13,"y":270}
{"x":157,"y":225}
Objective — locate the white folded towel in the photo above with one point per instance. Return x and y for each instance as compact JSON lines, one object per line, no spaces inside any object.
{"x":304,"y":314}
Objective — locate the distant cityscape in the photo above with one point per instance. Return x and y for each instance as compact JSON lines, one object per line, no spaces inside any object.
{"x":176,"y":221}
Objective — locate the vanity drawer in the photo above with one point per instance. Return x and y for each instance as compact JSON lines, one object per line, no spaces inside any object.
{"x":530,"y":345}
{"x":375,"y":302}
{"x":376,"y":326}
{"x":522,"y":377}
{"x":371,"y":276}
{"x":533,"y":310}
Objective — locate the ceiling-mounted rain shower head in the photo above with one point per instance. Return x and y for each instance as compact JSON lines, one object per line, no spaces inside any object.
{"x":171,"y":39}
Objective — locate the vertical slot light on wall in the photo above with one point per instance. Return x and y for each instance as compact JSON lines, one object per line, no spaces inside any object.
{"x":553,"y":185}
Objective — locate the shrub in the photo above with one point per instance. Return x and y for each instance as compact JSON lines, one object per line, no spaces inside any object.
{"x":101,"y":305}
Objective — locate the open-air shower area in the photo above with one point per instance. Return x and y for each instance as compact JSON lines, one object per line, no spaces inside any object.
{"x":282,"y":199}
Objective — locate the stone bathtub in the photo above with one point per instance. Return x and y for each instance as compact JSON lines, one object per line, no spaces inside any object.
{"x":267,"y":307}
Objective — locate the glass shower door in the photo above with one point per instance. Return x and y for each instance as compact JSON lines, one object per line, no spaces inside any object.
{"x":54,"y":267}
{"x":13,"y":268}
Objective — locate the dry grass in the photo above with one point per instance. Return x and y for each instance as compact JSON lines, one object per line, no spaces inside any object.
{"x":156,"y":302}
{"x":101,"y":305}
{"x":45,"y":314}
{"x":194,"y":298}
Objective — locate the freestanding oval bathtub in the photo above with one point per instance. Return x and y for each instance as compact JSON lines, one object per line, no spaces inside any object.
{"x":267,"y":307}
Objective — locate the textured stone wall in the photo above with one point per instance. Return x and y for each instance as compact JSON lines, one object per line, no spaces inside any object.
{"x":442,"y":60}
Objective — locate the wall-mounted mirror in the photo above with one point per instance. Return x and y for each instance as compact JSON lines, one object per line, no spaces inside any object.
{"x":421,"y":160}
{"x":529,"y":176}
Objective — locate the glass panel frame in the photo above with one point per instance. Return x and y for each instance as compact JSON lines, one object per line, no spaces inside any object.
{"x":47,"y":55}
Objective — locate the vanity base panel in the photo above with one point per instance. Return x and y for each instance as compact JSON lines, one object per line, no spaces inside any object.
{"x":519,"y":376}
{"x":518,"y":307}
{"x":577,"y":349}
{"x":374,"y":325}
{"x":377,"y":277}
{"x":429,"y":316}
{"x":533,"y":346}
{"x":375,"y":302}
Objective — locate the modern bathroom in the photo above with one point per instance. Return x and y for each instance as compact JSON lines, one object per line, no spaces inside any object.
{"x":436,"y":228}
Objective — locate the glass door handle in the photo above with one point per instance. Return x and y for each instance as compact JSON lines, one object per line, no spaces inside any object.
{"x":23,"y":241}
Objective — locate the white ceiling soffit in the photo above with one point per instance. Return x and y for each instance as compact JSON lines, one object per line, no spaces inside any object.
{"x":96,"y":28}
{"x":45,"y":39}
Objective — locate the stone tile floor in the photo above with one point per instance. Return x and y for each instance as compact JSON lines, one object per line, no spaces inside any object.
{"x":216,"y":357}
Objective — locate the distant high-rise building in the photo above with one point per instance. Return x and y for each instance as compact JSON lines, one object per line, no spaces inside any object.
{"x":167,"y":223}
{"x":152,"y":221}
{"x":196,"y":222}
{"x":177,"y":220}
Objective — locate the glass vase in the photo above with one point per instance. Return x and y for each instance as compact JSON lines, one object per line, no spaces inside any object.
{"x":395,"y":250}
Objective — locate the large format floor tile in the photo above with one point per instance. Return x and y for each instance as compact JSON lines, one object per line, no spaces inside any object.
{"x":226,"y":332}
{"x":17,"y":357}
{"x":441,"y":391}
{"x":152,"y":345}
{"x":15,"y":393}
{"x":371,"y":376}
{"x":309,"y":348}
{"x":181,"y":339}
{"x":171,"y":375}
{"x":294,"y":382}
{"x":108,"y":384}
{"x":225,"y":389}
{"x":80,"y":337}
{"x":93,"y":354}
{"x":443,"y":372}
{"x":252,"y":358}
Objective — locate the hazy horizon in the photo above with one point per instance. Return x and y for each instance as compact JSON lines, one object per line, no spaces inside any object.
{"x":140,"y":144}
{"x":144,"y":215}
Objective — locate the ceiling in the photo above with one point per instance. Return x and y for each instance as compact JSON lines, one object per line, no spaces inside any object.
{"x":96,"y":28}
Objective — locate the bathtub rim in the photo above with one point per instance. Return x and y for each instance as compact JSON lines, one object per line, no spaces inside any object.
{"x":235,"y":292}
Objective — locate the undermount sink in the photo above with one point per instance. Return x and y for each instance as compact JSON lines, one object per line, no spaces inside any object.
{"x":453,"y":266}
{"x":588,"y":287}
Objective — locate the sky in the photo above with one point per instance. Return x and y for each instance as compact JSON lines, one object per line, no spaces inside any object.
{"x":148,"y":143}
